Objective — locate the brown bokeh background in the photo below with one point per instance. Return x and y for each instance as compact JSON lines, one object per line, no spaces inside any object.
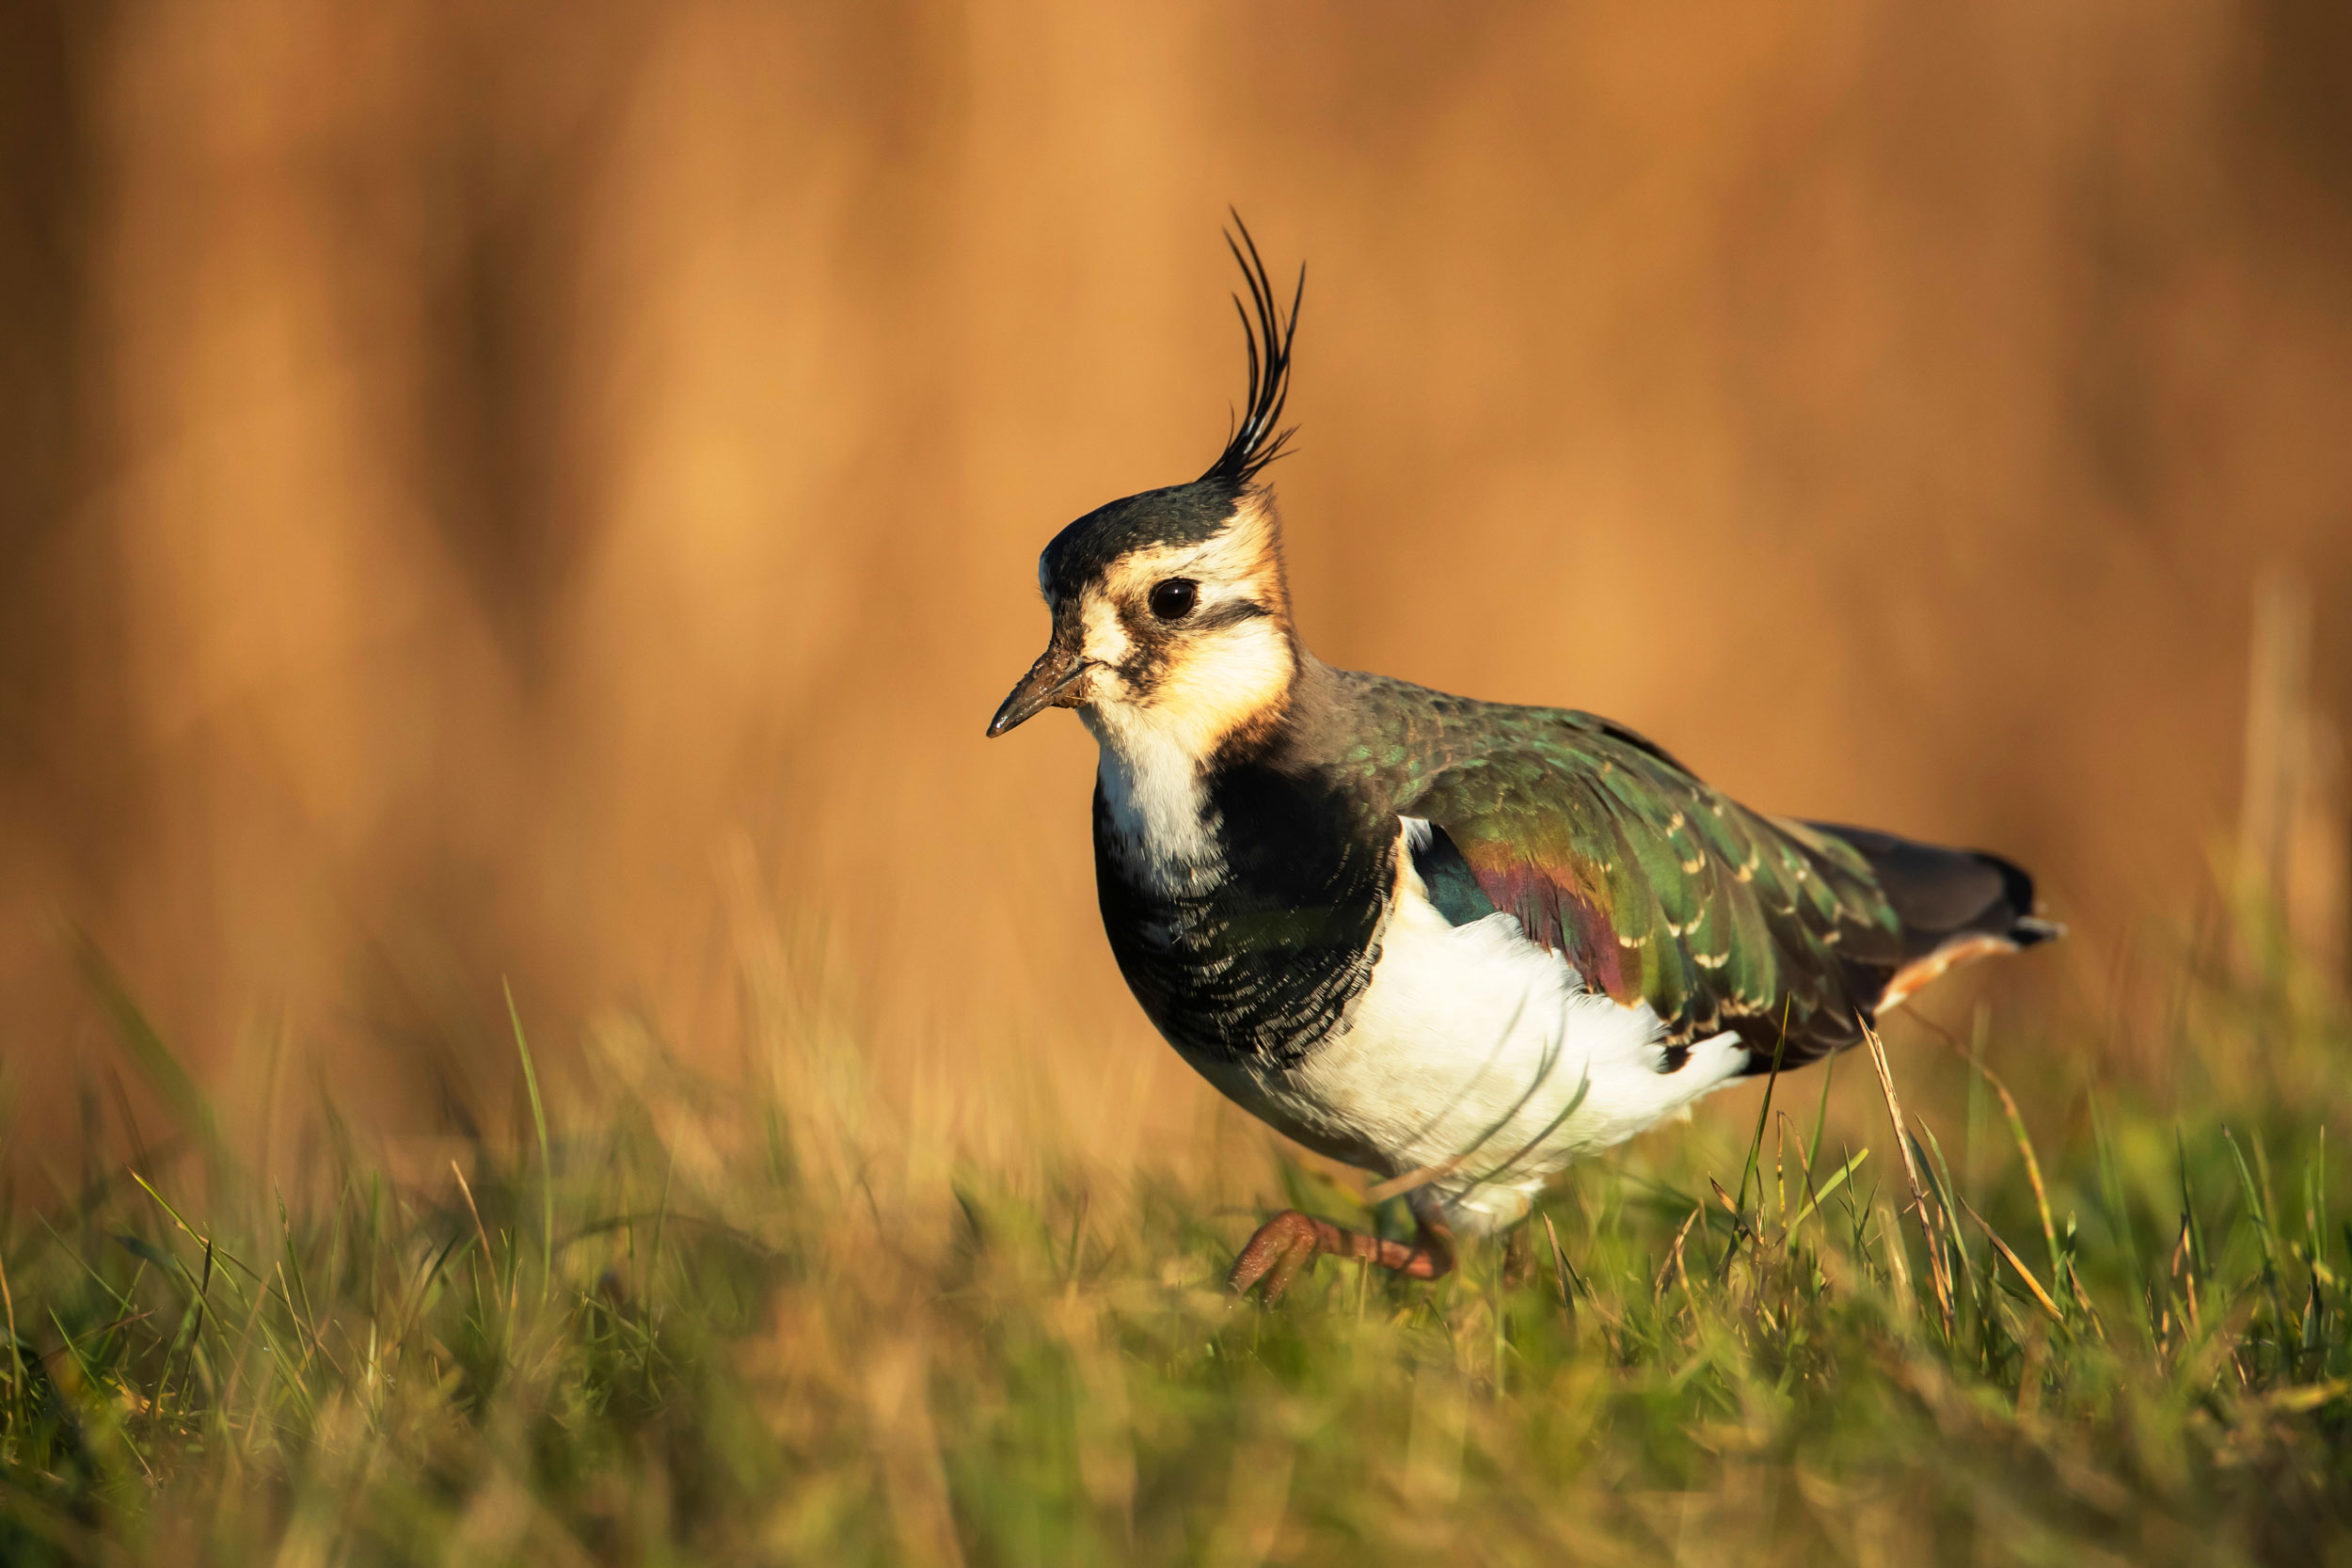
{"x":495,"y":490}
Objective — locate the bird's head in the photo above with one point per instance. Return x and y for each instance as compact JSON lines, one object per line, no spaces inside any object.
{"x":1170,"y":612}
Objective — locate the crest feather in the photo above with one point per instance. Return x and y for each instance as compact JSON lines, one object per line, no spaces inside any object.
{"x":1266,"y":334}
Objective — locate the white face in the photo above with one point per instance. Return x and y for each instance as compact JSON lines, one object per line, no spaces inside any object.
{"x":1189,"y":643}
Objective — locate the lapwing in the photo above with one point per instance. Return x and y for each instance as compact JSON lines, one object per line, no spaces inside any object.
{"x":1454,"y":943}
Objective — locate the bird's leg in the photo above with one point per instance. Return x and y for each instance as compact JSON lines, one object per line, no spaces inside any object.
{"x":1291,"y":1240}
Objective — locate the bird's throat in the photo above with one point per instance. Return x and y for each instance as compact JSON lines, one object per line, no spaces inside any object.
{"x":1155,"y":796}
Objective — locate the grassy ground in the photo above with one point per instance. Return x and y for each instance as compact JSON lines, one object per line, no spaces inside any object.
{"x":674,"y":1325}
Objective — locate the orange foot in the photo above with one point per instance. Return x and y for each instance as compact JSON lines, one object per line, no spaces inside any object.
{"x":1291,"y":1240}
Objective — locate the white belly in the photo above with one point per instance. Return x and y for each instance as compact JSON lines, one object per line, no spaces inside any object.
{"x":1481,"y":1057}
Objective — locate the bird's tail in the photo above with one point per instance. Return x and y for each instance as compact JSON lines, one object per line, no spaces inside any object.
{"x":1956,"y":906}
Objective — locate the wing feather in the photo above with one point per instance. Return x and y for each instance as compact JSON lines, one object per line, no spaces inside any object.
{"x":1659,"y":889}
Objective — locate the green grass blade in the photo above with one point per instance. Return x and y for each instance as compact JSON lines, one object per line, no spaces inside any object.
{"x":2189,"y":1215}
{"x":1821,"y":1114}
{"x":547,"y":1165}
{"x":154,"y":1059}
{"x":1755,"y":1140}
{"x":1820,"y":1195}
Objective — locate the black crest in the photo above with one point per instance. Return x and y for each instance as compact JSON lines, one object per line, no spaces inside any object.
{"x":1255,"y":441}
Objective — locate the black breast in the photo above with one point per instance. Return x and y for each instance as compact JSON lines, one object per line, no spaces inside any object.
{"x":1260,"y":959}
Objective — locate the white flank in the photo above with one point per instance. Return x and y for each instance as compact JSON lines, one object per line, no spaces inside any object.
{"x":1480,"y":1055}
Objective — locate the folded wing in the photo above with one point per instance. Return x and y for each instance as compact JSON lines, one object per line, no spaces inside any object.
{"x":1659,"y":889}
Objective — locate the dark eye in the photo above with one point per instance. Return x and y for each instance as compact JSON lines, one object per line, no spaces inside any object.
{"x":1173,"y":600}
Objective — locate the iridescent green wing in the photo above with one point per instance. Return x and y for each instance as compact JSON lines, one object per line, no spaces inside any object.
{"x":1659,"y":889}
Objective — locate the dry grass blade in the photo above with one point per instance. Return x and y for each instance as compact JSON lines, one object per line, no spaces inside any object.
{"x":1672,"y":1265}
{"x":16,"y":1346}
{"x":2016,"y":1120}
{"x":2090,"y":1308}
{"x":2015,"y":1262}
{"x":1937,"y":1274}
{"x":1560,"y":1269}
{"x":1413,"y":1181}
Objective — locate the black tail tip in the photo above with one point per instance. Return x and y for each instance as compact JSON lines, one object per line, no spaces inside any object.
{"x":2027,"y":928}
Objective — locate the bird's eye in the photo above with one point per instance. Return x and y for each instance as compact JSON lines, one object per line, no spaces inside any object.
{"x":1173,"y":600}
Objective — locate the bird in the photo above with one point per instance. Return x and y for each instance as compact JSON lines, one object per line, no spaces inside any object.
{"x":1455,"y":943}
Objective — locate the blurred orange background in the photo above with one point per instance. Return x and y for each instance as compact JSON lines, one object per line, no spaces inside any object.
{"x":488,"y":490}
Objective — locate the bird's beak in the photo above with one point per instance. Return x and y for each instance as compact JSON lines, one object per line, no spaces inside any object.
{"x":1055,"y":680}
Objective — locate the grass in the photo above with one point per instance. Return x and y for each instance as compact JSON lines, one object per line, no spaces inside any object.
{"x":672,"y":1322}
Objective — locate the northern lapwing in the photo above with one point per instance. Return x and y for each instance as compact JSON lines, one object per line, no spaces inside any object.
{"x":1454,"y":943}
